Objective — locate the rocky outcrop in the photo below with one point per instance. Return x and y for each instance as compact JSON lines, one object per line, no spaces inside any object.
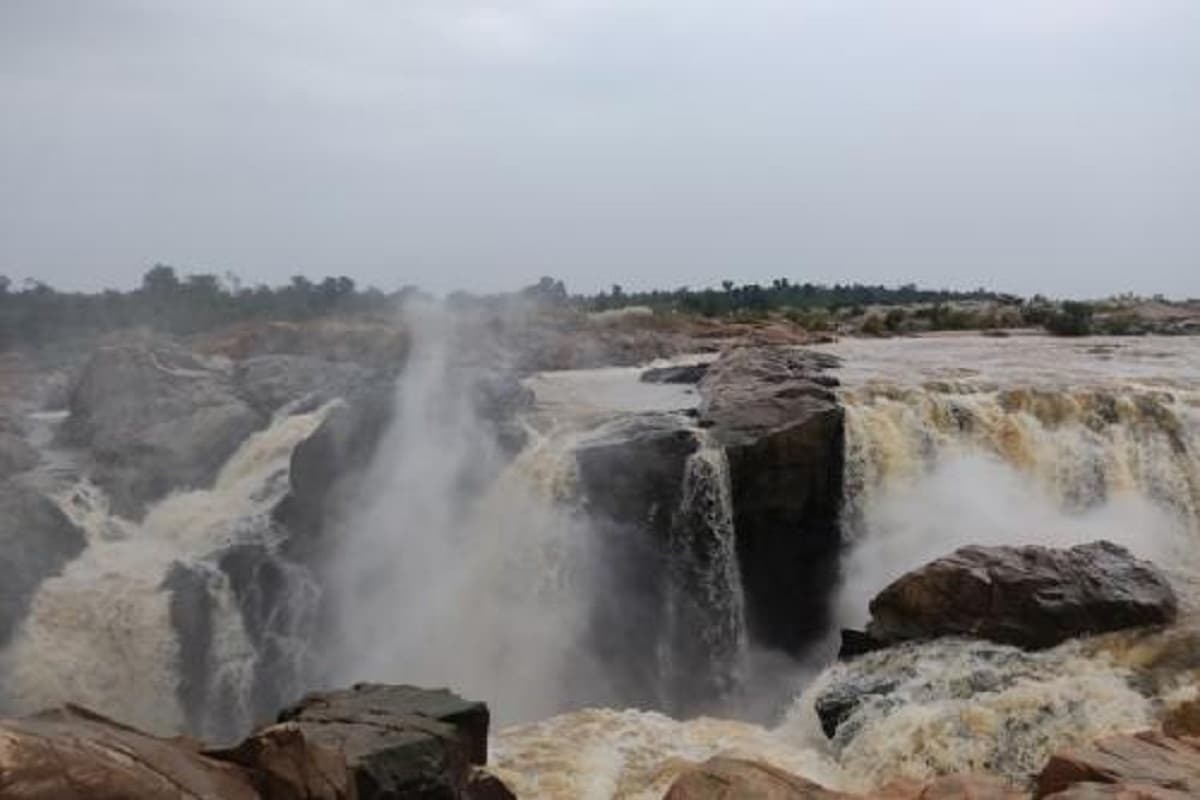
{"x":271,"y":382}
{"x":325,"y":466}
{"x":74,"y":754}
{"x":1142,"y":765}
{"x":370,"y":742}
{"x":156,"y":418}
{"x":1033,"y":597}
{"x":36,"y":541}
{"x":773,"y":411}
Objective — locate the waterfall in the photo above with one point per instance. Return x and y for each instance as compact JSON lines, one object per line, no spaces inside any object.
{"x":933,"y":467}
{"x":147,"y":625}
{"x":705,"y":641}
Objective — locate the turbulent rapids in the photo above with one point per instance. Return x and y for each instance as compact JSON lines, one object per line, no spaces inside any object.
{"x":594,"y":564}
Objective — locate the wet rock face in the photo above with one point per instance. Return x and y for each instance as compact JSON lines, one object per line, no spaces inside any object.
{"x":36,"y":541}
{"x":631,"y":482}
{"x":156,"y":418}
{"x":1032,"y":597}
{"x":773,"y":411}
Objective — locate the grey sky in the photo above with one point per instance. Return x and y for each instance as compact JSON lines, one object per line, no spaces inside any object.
{"x":1031,"y":145}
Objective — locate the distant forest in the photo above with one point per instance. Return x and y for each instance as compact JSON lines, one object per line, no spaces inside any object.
{"x":37,"y":313}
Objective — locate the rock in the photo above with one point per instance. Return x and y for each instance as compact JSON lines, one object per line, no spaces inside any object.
{"x":772,"y":410}
{"x":287,"y":764}
{"x":1183,"y":719}
{"x":685,"y":373}
{"x":268,"y":383}
{"x":483,"y":785}
{"x":723,"y":778}
{"x":498,"y":397}
{"x":370,"y":742}
{"x":74,"y":754}
{"x":16,"y":454}
{"x":949,"y":787}
{"x":156,"y":418}
{"x":857,"y":643}
{"x":1108,"y":791}
{"x":630,"y":477}
{"x":36,"y":541}
{"x":1032,"y":597}
{"x":1152,"y":763}
{"x":384,"y":741}
{"x":324,"y":467}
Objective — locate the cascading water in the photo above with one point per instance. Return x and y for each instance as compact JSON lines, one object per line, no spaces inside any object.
{"x":105,"y":633}
{"x":948,"y":443}
{"x":705,"y":604}
{"x":463,"y":570}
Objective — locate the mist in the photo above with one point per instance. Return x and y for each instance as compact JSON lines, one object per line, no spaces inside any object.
{"x":454,"y":569}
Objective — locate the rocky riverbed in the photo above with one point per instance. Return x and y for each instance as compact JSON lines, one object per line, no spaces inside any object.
{"x":606,"y":554}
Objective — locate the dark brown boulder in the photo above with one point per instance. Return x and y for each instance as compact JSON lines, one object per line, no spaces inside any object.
{"x":1032,"y":597}
{"x":383,"y":741}
{"x":773,"y":411}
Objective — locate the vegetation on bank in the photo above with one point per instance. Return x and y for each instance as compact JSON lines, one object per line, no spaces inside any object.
{"x":194,"y":303}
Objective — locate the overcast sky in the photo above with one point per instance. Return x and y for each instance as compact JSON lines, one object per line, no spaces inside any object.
{"x":1027,"y":145}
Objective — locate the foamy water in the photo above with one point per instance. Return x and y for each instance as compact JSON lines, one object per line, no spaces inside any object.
{"x":100,"y":634}
{"x":954,"y":441}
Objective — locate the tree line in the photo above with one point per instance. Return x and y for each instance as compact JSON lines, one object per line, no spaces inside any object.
{"x":37,"y":313}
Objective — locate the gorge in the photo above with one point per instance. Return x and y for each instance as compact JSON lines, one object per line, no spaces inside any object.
{"x":633,"y":565}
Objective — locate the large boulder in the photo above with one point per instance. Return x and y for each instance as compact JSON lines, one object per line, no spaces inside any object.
{"x":74,"y":754}
{"x":1143,"y":765}
{"x":325,"y":467}
{"x":271,"y":382}
{"x":1032,"y":597}
{"x":773,"y":411}
{"x":383,"y":741}
{"x":156,"y":418}
{"x":36,"y":541}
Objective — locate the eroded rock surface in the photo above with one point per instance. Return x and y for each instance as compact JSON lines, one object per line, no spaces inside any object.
{"x":1032,"y":597}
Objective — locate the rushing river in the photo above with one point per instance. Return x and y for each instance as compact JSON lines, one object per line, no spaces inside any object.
{"x":949,"y":441}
